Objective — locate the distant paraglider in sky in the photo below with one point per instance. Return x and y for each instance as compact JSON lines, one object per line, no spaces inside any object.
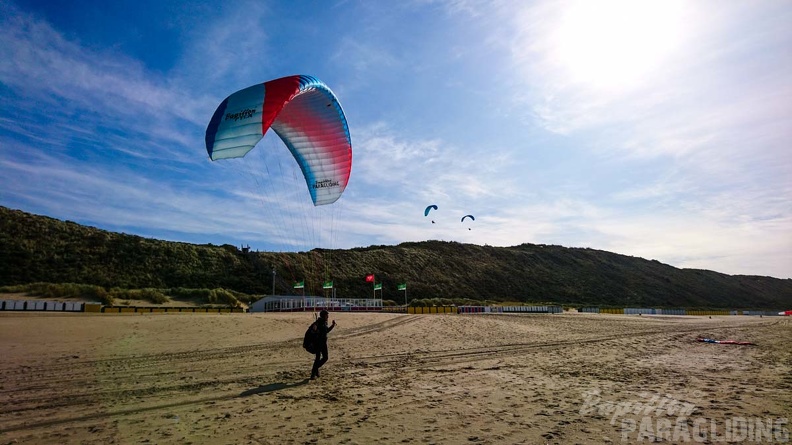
{"x":429,"y":209}
{"x":472,"y":218}
{"x":305,"y":114}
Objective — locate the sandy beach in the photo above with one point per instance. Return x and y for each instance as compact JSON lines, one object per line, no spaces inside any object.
{"x":391,"y":378}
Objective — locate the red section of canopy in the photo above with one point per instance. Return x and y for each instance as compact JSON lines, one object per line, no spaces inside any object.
{"x":276,"y":94}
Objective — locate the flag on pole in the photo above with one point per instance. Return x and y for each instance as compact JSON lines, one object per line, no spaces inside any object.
{"x":299,"y":285}
{"x":327,"y":285}
{"x":378,"y":286}
{"x":370,"y":278}
{"x":402,"y":286}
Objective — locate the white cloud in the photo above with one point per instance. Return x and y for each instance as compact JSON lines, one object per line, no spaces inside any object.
{"x":38,"y":60}
{"x":96,"y":98}
{"x":229,"y":46}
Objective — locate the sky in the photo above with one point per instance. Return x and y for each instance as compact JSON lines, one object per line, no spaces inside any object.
{"x":655,"y":129}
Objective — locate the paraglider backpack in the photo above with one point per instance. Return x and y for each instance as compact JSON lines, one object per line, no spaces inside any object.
{"x":310,"y":339}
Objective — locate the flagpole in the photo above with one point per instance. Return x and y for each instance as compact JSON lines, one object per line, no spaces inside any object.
{"x":301,"y":285}
{"x":373,"y":279}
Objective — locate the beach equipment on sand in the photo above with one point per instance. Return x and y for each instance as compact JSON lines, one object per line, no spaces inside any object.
{"x":725,"y":342}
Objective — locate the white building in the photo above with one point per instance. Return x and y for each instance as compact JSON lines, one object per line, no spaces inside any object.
{"x":293,"y":303}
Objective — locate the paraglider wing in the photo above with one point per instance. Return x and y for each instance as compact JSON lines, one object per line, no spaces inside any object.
{"x":305,"y":114}
{"x":726,"y":342}
{"x":468,"y":216}
{"x":426,"y":211}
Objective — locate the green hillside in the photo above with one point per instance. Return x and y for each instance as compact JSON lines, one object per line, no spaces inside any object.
{"x":42,"y":249}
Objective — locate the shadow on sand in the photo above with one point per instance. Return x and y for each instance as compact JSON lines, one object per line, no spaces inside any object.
{"x":272,"y":387}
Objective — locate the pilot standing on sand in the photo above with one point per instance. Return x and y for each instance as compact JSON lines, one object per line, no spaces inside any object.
{"x":321,"y":329}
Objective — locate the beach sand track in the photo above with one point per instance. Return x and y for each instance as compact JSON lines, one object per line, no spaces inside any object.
{"x":376,"y":389}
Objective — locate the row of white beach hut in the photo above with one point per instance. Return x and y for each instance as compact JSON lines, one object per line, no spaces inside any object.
{"x":658,"y":311}
{"x":36,"y":305}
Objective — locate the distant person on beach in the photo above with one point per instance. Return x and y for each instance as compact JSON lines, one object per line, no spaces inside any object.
{"x":321,"y":329}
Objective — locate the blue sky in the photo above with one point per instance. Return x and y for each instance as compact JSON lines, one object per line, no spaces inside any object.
{"x":653,"y":129}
